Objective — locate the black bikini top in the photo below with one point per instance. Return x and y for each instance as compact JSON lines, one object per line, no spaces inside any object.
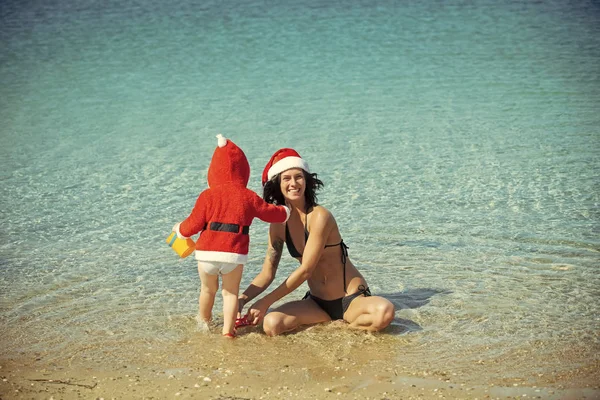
{"x":296,"y":254}
{"x":290,"y":244}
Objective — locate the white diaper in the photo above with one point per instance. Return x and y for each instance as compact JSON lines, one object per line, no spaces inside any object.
{"x":217,"y":268}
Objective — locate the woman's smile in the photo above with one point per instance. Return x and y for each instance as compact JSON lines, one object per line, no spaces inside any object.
{"x":292,"y":183}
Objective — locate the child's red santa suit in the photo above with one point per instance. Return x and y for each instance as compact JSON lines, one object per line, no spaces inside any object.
{"x":224,"y":212}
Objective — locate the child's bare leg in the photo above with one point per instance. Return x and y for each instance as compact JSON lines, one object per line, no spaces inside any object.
{"x":231,"y":287}
{"x":209,"y":284}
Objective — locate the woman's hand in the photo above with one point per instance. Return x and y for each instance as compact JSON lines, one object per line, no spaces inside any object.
{"x":257,"y":311}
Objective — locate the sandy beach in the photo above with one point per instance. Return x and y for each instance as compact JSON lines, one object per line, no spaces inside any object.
{"x":319,"y":363}
{"x":28,"y":381}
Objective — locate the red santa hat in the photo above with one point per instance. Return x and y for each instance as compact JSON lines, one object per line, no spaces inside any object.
{"x":282,"y":160}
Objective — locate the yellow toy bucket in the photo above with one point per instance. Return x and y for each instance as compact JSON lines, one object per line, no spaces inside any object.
{"x":183,"y":247}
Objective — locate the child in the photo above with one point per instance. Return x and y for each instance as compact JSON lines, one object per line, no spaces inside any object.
{"x":223,"y":214}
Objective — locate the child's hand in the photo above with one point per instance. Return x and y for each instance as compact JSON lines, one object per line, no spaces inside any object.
{"x":176,"y":230}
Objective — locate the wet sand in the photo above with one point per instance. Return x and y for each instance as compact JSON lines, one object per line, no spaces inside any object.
{"x":23,"y":380}
{"x":325,"y":362}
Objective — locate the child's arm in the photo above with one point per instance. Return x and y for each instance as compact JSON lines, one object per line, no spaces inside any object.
{"x":270,"y":212}
{"x":196,"y":221}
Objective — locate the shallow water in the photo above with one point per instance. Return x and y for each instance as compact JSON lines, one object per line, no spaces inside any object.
{"x":459,"y":146}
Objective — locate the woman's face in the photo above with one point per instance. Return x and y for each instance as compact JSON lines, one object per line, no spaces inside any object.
{"x":293,"y":184}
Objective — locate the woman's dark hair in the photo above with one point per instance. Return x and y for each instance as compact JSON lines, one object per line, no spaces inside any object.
{"x":272,"y":189}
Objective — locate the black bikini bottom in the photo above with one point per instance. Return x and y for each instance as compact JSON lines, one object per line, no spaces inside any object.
{"x":336,"y":308}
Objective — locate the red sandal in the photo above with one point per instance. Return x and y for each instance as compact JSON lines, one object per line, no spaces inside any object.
{"x":244,"y":321}
{"x":229,"y":335}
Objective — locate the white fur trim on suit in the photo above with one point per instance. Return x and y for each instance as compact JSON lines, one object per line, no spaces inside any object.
{"x":285,"y":164}
{"x":221,"y":256}
{"x":288,"y":212}
{"x":221,"y":140}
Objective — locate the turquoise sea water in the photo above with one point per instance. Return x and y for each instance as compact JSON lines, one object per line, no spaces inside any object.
{"x":459,"y":143}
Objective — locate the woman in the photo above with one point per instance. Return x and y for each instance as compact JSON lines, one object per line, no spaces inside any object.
{"x":337,"y":289}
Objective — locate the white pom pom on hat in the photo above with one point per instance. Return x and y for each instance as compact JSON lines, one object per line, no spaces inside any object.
{"x":221,"y":140}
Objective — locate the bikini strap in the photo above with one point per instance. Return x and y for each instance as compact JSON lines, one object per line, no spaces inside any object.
{"x":305,"y":227}
{"x":344,"y":258}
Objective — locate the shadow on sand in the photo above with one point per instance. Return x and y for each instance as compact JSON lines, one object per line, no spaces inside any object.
{"x":412,"y":298}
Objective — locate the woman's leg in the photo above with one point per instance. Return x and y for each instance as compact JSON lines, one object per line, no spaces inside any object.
{"x":290,"y":316}
{"x":372,"y":313}
{"x":208,"y":290}
{"x":231,"y":287}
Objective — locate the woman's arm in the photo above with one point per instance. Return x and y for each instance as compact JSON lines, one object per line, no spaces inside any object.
{"x":269,"y":269}
{"x":321,"y":225}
